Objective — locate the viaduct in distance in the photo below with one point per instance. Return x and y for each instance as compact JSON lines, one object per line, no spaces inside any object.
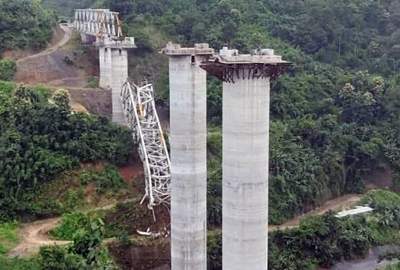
{"x":181,"y":181}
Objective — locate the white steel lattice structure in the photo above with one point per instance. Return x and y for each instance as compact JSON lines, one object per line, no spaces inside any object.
{"x":98,"y":22}
{"x":141,"y":115}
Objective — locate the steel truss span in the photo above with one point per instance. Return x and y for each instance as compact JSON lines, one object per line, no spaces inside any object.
{"x":141,"y":115}
{"x":98,"y":22}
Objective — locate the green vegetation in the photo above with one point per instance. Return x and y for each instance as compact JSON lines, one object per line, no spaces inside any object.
{"x":214,"y":250}
{"x":325,"y":240}
{"x":24,"y":24}
{"x":65,"y":8}
{"x":8,"y":236}
{"x":393,"y":267}
{"x":86,"y":252}
{"x":319,"y":241}
{"x":93,"y":82}
{"x":9,"y":239}
{"x":128,"y":217}
{"x":107,"y":180}
{"x":40,"y":139}
{"x":7,"y":69}
{"x":18,"y":264}
{"x":71,"y":223}
{"x":214,"y":187}
{"x":334,"y":115}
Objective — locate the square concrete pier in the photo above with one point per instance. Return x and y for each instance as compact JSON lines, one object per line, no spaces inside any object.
{"x":188,"y":140}
{"x":245,"y":135}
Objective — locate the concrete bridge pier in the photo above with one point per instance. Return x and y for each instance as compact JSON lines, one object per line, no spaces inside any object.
{"x":105,"y":67}
{"x":245,"y":136}
{"x":113,"y":66}
{"x":113,"y":63}
{"x":188,"y":140}
{"x":86,"y":39}
{"x":119,"y":75}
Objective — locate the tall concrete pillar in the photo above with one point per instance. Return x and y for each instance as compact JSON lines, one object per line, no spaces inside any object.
{"x":105,"y":67}
{"x":85,"y":38}
{"x":245,"y":173}
{"x":188,"y":140}
{"x":119,"y":75}
{"x":245,"y":136}
{"x":113,"y":62}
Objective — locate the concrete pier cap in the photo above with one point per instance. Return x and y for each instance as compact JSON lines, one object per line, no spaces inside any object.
{"x":126,"y":43}
{"x":261,"y":64}
{"x":173,"y":49}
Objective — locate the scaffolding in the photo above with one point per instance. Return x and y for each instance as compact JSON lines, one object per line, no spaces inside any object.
{"x":141,"y":116}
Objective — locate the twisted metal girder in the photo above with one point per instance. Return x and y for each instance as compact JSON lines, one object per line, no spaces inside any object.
{"x":98,"y":22}
{"x":141,"y":116}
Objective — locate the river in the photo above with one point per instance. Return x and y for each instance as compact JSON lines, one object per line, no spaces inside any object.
{"x":369,"y":263}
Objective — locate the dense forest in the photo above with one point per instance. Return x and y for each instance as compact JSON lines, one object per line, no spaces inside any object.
{"x":39,"y":140}
{"x":25,"y":25}
{"x":334,"y":116}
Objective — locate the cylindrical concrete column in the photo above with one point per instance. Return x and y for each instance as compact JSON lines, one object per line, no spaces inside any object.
{"x":119,"y":67}
{"x":188,"y":132}
{"x":245,"y":173}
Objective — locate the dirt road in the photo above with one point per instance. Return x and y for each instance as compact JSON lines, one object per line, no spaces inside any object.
{"x":337,"y":204}
{"x":35,"y":235}
{"x":64,"y":40}
{"x":52,"y":66}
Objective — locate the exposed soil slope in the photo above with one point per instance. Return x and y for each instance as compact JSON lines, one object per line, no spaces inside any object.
{"x":48,"y":65}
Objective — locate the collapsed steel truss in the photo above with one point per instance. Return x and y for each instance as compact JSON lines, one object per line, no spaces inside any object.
{"x":98,"y":22}
{"x":141,"y":116}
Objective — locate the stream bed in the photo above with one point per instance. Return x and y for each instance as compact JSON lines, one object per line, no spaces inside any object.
{"x":371,"y":262}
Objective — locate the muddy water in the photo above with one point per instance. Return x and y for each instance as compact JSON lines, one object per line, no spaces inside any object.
{"x":369,"y":263}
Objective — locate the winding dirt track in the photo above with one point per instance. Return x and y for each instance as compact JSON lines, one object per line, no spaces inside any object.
{"x":64,"y":40}
{"x":52,"y":66}
{"x":337,"y":204}
{"x":36,"y":234}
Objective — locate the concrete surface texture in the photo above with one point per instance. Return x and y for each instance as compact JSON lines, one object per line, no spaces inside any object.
{"x":245,"y":173}
{"x":119,"y":75}
{"x":188,"y":132}
{"x":105,"y":65}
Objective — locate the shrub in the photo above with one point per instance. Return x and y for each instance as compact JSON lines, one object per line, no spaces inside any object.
{"x":6,"y":88}
{"x":8,"y":236}
{"x":107,"y":180}
{"x":321,"y":240}
{"x":214,"y":250}
{"x":58,"y":258}
{"x":7,"y":69}
{"x":70,"y":224}
{"x":93,"y":82}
